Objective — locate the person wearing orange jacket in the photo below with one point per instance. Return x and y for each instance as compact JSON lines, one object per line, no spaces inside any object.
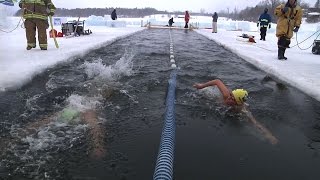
{"x":289,"y":21}
{"x":35,"y":13}
{"x":186,"y":19}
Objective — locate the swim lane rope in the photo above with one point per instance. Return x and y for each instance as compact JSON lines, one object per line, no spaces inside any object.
{"x":164,"y":165}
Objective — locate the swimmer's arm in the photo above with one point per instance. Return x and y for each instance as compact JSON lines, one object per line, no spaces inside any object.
{"x":96,"y":133}
{"x":217,"y":82}
{"x":272,"y":139}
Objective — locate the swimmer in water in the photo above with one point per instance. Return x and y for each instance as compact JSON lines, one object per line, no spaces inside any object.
{"x":236,"y":99}
{"x":70,"y":115}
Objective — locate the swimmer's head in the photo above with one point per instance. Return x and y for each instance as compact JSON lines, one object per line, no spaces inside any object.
{"x":240,"y":95}
{"x":68,"y":115}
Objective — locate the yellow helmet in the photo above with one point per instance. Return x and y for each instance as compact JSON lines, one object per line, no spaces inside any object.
{"x":240,"y":95}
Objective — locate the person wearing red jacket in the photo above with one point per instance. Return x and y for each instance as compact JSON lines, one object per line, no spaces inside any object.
{"x":186,"y":19}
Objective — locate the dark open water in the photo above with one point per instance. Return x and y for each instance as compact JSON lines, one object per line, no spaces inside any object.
{"x":125,"y":83}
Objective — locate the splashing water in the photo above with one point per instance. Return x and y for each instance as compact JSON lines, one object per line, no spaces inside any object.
{"x":36,"y":144}
{"x":82,"y":103}
{"x":29,"y":155}
{"x":123,"y":67}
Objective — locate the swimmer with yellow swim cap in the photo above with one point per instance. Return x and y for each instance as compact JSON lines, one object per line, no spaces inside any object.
{"x":236,"y":97}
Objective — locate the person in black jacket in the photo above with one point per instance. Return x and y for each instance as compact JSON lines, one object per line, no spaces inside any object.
{"x":114,"y":15}
{"x":264,"y":22}
{"x":170,"y":22}
{"x":214,"y":22}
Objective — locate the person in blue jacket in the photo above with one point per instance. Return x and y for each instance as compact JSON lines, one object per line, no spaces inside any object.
{"x":264,"y":22}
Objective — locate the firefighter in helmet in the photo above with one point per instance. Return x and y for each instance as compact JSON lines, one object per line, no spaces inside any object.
{"x":35,"y":13}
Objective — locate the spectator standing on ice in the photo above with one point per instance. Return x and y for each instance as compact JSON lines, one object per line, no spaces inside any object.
{"x":214,"y":22}
{"x":289,"y":21}
{"x":264,"y":22}
{"x":186,"y":19}
{"x":114,"y":15}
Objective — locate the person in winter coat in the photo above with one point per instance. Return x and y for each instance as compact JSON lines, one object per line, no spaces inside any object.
{"x":170,"y":22}
{"x":114,"y":15}
{"x":264,"y":22}
{"x":214,"y":22}
{"x":35,"y":13}
{"x":289,"y":21}
{"x":186,"y":19}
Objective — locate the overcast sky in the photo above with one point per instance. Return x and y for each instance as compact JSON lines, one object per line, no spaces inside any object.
{"x":169,"y":5}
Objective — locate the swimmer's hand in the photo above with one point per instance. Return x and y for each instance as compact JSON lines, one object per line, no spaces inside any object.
{"x":198,"y":86}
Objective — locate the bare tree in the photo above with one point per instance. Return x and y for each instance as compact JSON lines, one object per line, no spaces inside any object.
{"x":317,"y":4}
{"x":274,"y":4}
{"x":202,"y":11}
{"x":304,"y":5}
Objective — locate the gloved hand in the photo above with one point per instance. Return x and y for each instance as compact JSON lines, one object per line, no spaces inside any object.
{"x":51,"y":13}
{"x":285,"y":9}
{"x":269,"y":26}
{"x":257,"y":24}
{"x":296,"y":29}
{"x":20,"y":5}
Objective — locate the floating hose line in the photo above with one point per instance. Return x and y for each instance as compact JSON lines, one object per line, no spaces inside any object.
{"x":164,"y":165}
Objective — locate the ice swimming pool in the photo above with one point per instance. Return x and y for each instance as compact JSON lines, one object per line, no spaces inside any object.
{"x":126,"y":84}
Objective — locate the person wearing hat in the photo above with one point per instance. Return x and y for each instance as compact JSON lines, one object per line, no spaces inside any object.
{"x":236,"y":97}
{"x":289,"y":21}
{"x":264,"y":22}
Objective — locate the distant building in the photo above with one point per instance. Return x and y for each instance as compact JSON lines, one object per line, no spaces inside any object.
{"x":313,"y":15}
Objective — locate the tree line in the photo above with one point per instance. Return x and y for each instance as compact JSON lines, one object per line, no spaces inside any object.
{"x":247,"y":14}
{"x":121,"y":12}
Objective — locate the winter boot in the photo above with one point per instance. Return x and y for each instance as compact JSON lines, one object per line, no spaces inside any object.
{"x":30,"y":47}
{"x":281,"y":54}
{"x":43,"y":48}
{"x":284,"y":50}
